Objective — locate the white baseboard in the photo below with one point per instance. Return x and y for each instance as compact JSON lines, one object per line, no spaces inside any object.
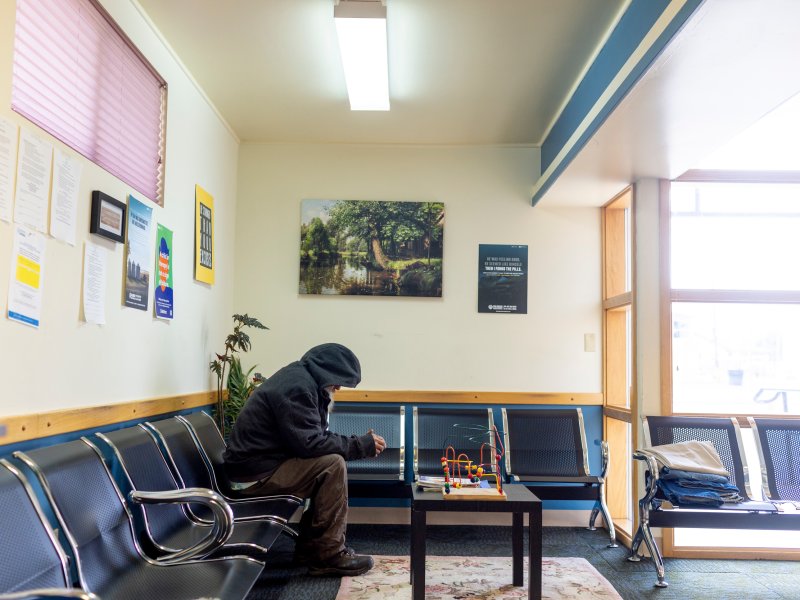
{"x":402,"y":516}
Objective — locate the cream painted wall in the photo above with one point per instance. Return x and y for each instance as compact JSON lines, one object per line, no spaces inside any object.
{"x":424,"y":343}
{"x":648,"y":333}
{"x":67,"y":363}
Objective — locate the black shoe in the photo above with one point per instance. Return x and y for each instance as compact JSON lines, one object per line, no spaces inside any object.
{"x":345,"y":564}
{"x":303,"y":558}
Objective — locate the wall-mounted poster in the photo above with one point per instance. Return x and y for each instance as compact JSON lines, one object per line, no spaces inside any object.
{"x":164,"y":299}
{"x":502,"y":278}
{"x":139,"y":257}
{"x":203,"y":236}
{"x":371,"y":248}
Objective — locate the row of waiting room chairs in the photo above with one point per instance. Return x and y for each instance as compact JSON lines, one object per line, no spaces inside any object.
{"x":778,"y":444}
{"x":545,"y":449}
{"x":192,"y":516}
{"x":119,"y":543}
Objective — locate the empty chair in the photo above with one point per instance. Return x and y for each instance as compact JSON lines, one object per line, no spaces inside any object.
{"x":97,"y":524}
{"x":466,"y":429}
{"x":170,"y":527}
{"x":386,"y":421}
{"x":212,"y":442}
{"x":192,"y":468}
{"x":34,"y":564}
{"x":778,"y":442}
{"x":546,"y":450}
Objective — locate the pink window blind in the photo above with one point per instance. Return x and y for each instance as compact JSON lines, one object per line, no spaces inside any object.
{"x":79,"y":77}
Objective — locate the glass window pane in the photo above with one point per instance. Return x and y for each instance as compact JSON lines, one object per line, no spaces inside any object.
{"x":735,"y":236}
{"x":736,"y":358}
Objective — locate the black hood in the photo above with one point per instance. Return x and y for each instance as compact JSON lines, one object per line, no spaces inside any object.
{"x":332,"y":364}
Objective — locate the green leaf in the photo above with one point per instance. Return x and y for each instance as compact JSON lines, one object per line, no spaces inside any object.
{"x":247,"y":321}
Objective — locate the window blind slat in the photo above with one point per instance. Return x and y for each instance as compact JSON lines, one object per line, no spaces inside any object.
{"x":77,"y":77}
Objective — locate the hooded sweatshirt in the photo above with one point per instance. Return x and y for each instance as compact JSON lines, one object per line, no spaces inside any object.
{"x":287,"y":416}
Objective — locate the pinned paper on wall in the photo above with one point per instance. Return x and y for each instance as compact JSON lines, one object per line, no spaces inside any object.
{"x":94,"y":283}
{"x":64,"y":208}
{"x":9,"y":132}
{"x":203,"y":236}
{"x":139,"y":257}
{"x":33,"y":181}
{"x":27,"y":270}
{"x":164,"y":298}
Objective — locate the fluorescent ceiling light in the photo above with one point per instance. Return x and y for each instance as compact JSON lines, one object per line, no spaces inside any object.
{"x":361,"y":29}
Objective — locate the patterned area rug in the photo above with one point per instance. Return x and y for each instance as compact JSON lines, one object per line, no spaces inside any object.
{"x":476,"y":578}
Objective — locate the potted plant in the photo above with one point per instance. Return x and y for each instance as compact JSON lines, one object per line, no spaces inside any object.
{"x":240,"y":386}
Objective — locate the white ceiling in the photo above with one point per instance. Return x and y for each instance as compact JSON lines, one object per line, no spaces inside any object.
{"x":733,"y":63}
{"x":494,"y":72}
{"x":460,"y":71}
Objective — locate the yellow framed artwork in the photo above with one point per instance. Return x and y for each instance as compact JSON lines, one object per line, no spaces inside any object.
{"x":203,"y":236}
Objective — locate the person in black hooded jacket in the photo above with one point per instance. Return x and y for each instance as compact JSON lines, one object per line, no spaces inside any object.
{"x":280,"y":444}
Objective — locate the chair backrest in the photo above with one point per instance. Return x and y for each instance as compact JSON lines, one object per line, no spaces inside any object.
{"x":188,"y":461}
{"x":212,"y":443}
{"x":724,"y":433}
{"x":192,"y":469}
{"x":30,"y":555}
{"x":778,"y":442}
{"x":465,"y":429}
{"x":389,"y":422}
{"x":89,"y":508}
{"x":545,"y":442}
{"x":143,"y":464}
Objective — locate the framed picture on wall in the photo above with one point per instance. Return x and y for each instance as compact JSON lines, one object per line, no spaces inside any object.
{"x":371,"y":248}
{"x":108,"y":217}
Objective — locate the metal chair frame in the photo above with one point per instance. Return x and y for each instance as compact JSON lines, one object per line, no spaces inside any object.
{"x":182,"y":559}
{"x":455,"y":414}
{"x":399,"y":472}
{"x":282,"y":506}
{"x":761,"y":427}
{"x":566,"y":487}
{"x":238,"y":541}
{"x":62,"y":592}
{"x":750,"y":514}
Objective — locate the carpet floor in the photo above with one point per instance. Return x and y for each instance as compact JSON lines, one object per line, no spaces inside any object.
{"x":689,"y":579}
{"x":476,"y":578}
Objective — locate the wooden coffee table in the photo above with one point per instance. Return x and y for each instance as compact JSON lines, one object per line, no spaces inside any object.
{"x":520,"y":501}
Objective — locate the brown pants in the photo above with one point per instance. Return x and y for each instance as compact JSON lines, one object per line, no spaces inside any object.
{"x":323,"y":480}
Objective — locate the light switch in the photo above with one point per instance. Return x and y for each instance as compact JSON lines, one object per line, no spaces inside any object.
{"x":589,"y":344}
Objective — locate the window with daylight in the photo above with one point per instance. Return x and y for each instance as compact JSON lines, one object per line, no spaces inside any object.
{"x":735,"y":297}
{"x":78,"y":77}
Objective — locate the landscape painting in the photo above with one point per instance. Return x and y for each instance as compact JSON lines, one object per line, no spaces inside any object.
{"x":371,"y":248}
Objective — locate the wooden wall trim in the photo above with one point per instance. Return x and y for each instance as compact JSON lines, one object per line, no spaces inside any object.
{"x":28,"y":427}
{"x":21,"y":428}
{"x":467,"y":397}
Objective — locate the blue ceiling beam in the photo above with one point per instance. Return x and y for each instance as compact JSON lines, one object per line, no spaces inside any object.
{"x":642,"y":32}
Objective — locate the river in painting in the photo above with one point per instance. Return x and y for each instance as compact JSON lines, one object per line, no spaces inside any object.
{"x":354,"y":276}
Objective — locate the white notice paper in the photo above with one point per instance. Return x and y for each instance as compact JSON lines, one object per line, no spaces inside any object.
{"x":33,"y":181}
{"x":64,"y":209}
{"x":8,"y":162}
{"x":27,"y":269}
{"x":94,"y":284}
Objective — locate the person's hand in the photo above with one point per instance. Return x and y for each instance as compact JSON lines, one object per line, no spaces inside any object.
{"x":380,"y":443}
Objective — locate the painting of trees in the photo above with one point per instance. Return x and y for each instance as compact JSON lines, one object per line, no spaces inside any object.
{"x":371,"y":247}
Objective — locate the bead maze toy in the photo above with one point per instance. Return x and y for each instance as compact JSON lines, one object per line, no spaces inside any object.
{"x":453,"y":462}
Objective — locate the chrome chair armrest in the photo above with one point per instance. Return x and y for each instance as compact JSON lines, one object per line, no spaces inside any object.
{"x":219,"y":532}
{"x":245,"y":500}
{"x":50,"y":594}
{"x":605,"y":458}
{"x":652,"y":466}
